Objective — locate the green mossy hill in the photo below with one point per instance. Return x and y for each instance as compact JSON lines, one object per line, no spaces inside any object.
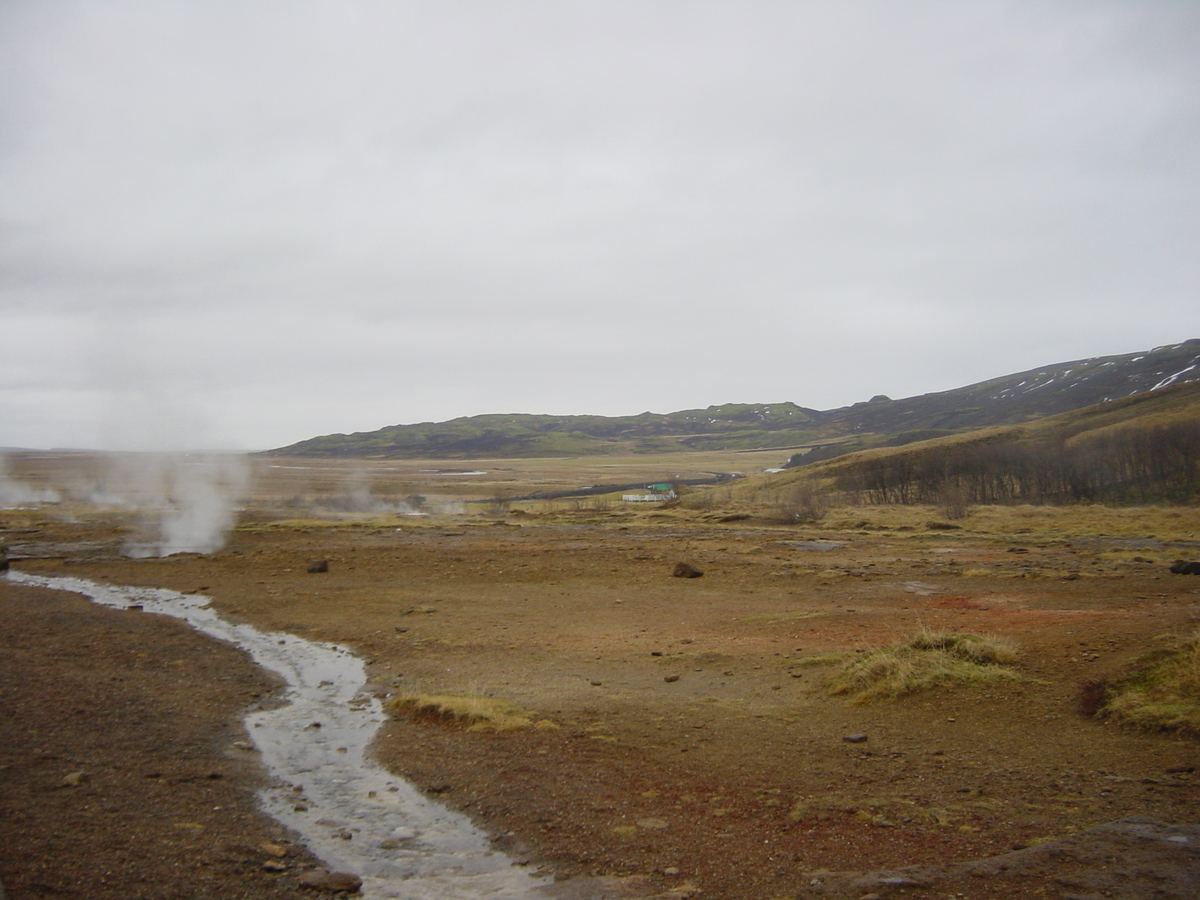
{"x":732,"y":426}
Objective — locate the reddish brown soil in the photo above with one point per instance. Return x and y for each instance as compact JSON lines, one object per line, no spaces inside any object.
{"x":733,"y":779}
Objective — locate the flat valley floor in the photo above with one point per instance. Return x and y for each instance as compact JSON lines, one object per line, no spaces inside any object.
{"x":694,"y":748}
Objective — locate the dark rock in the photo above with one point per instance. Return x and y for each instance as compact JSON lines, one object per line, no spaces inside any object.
{"x":319,"y":565}
{"x":331,"y":882}
{"x":686,"y":570}
{"x":671,"y":679}
{"x":1142,"y":859}
{"x":1186,"y":568}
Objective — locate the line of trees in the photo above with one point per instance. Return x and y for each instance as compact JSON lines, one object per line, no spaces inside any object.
{"x":1130,"y":465}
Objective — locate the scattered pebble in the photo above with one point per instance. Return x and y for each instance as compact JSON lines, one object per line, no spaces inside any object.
{"x":652,"y":824}
{"x":331,"y":882}
{"x":273,"y":849}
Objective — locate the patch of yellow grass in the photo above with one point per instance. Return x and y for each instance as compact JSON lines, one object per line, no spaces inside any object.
{"x":1089,"y":519}
{"x":332,"y":522}
{"x":469,"y":711}
{"x":820,"y":659}
{"x":1163,"y":692}
{"x":927,"y":659}
{"x":784,"y":616}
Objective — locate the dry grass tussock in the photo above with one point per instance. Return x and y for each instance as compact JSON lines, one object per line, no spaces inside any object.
{"x":1163,"y":522}
{"x":1163,"y":691}
{"x":469,"y":711}
{"x":927,"y":659}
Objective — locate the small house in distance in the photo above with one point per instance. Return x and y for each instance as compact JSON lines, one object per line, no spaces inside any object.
{"x":655,"y":493}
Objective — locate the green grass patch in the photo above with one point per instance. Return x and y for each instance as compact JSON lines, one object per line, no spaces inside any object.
{"x":928,"y":659}
{"x":1163,"y":690}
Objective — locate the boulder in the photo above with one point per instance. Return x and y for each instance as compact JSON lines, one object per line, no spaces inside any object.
{"x":319,"y":565}
{"x":1186,"y":568}
{"x":686,"y":570}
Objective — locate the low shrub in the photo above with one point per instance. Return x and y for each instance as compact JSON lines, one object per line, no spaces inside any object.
{"x":803,"y":504}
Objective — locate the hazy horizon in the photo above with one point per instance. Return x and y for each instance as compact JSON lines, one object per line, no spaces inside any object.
{"x":242,"y":226}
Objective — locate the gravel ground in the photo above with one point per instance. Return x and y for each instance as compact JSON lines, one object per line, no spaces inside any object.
{"x":696,"y":752}
{"x":121,"y":777}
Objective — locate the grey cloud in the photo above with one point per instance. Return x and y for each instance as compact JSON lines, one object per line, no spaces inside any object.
{"x":366,"y":213}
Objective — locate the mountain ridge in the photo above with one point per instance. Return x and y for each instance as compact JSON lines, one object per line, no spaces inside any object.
{"x":880,"y":421}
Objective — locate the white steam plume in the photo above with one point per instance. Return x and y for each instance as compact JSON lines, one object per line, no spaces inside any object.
{"x":189,"y":502}
{"x":19,"y":495}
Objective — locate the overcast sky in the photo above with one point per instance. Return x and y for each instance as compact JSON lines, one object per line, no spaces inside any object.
{"x":243,"y":224}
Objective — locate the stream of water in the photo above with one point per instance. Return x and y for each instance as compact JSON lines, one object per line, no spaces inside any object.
{"x":354,"y":816}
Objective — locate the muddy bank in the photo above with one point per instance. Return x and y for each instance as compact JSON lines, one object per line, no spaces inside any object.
{"x":121,"y":748}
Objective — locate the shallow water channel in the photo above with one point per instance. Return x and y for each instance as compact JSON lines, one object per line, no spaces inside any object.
{"x":353,"y":815}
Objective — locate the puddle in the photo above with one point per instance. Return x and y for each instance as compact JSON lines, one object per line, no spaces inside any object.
{"x":353,"y":815}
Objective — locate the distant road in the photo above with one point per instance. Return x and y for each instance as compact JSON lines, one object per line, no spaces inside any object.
{"x":593,"y":490}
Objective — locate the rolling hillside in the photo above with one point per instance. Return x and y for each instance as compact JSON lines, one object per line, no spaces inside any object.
{"x":1142,"y":448}
{"x":880,"y":421}
{"x":742,"y":426}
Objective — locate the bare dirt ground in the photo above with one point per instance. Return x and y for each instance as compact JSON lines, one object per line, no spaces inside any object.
{"x":119,"y":774}
{"x":697,"y":748}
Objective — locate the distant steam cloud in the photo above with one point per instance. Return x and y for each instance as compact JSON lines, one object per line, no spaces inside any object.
{"x":360,"y":498}
{"x":189,"y":502}
{"x":19,"y":495}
